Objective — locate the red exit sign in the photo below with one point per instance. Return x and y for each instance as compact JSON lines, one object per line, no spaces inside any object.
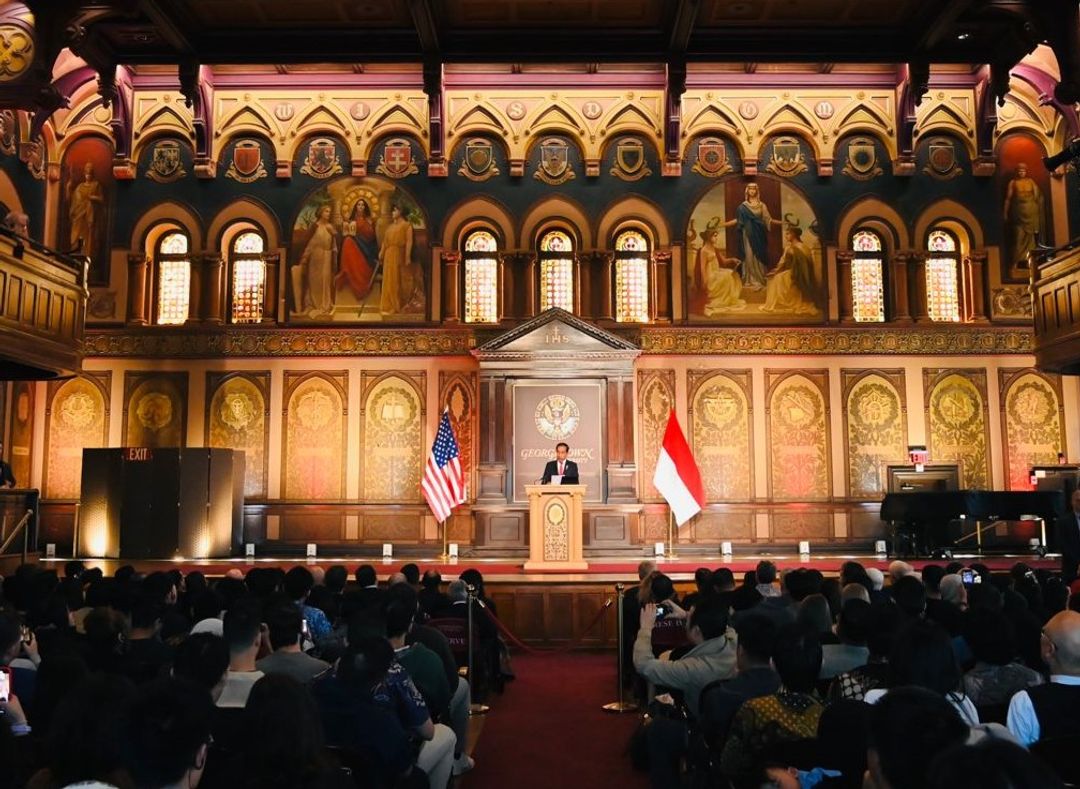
{"x":138,"y":454}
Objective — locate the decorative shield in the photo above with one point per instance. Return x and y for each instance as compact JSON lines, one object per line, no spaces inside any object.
{"x":630,"y":164}
{"x":246,"y":165}
{"x":322,"y":159}
{"x":397,"y":159}
{"x":712,"y":158}
{"x":478,"y":164}
{"x":554,"y":162}
{"x":861,"y":161}
{"x":941,"y":159}
{"x":787,"y":158}
{"x":165,"y":162}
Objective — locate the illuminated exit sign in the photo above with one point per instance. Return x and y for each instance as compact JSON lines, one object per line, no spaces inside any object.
{"x":138,"y":454}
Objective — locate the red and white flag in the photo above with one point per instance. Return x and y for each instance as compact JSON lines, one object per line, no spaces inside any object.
{"x":444,"y":479}
{"x":677,"y":476}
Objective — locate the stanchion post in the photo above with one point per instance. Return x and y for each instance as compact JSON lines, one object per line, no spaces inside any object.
{"x":474,"y":708}
{"x":620,"y":631}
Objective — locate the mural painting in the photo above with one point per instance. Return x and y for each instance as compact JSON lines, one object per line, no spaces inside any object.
{"x":754,"y":255}
{"x":86,"y":200}
{"x":314,"y":453}
{"x":720,"y":418}
{"x":798,"y":421}
{"x":957,"y":428}
{"x":19,"y":448}
{"x":360,"y":247}
{"x":393,"y":440}
{"x":1032,"y":418}
{"x":78,"y":418}
{"x":155,"y":409}
{"x":656,"y":395}
{"x":236,"y":419}
{"x":876,"y":429}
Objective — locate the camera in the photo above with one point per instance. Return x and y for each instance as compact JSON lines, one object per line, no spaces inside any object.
{"x":969,"y":577}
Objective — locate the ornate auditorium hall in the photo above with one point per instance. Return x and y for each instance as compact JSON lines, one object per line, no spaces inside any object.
{"x":539,"y":288}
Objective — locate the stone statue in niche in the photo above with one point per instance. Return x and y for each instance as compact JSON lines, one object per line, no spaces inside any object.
{"x":1023,"y":213}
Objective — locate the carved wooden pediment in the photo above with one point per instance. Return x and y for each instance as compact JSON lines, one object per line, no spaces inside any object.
{"x":556,"y":338}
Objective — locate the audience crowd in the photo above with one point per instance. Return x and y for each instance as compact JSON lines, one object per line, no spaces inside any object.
{"x":952,"y":677}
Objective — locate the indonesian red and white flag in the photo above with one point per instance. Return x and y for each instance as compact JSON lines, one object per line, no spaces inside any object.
{"x":677,"y":476}
{"x":444,"y":479}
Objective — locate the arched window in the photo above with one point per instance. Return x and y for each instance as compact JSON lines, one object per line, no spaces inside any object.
{"x":631,"y":277}
{"x":248,"y":277}
{"x":943,"y":276}
{"x":174,"y":278}
{"x":867,"y":277}
{"x":481,"y":277}
{"x":556,"y":271}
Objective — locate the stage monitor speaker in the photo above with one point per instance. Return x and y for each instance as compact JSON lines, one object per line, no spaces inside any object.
{"x":140,"y":503}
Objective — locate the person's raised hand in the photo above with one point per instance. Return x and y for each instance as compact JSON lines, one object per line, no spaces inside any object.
{"x":648,"y":616}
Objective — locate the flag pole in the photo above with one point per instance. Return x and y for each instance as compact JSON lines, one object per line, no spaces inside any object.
{"x":445,"y":555}
{"x":673,"y":532}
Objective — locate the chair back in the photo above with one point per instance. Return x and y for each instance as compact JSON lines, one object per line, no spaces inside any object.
{"x":668,"y":634}
{"x":456,"y":631}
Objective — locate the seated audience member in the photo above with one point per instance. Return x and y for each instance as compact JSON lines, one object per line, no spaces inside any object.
{"x":104,"y":639}
{"x":460,"y":698}
{"x":1049,"y":711}
{"x":910,"y":596}
{"x":755,"y":677}
{"x":243,"y":632}
{"x":337,"y":577}
{"x":853,"y":685}
{"x":412,"y":575}
{"x":424,"y":667}
{"x":702,"y":584}
{"x":854,"y":592}
{"x":841,"y":742}
{"x":814,"y":612}
{"x":57,"y":678}
{"x":369,"y":591}
{"x":86,"y":739}
{"x":792,"y":713}
{"x":282,"y":744}
{"x":931,"y":578}
{"x":772,"y":602}
{"x":145,"y":655}
{"x":922,"y":655}
{"x":203,"y":658}
{"x":766,"y":574}
{"x":948,"y":611}
{"x":711,"y":657}
{"x":996,"y":676}
{"x":899,"y":569}
{"x":1055,"y":596}
{"x":395,"y":579}
{"x":168,"y":734}
{"x":284,"y":622}
{"x":431,"y":598}
{"x":908,"y":729}
{"x":298,"y":585}
{"x":354,"y":722}
{"x":990,"y":764}
{"x":831,"y":590}
{"x":851,"y":652}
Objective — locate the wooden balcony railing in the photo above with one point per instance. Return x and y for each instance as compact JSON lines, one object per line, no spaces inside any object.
{"x":42,"y":310}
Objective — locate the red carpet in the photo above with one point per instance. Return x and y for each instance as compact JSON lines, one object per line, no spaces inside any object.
{"x":548,"y":729}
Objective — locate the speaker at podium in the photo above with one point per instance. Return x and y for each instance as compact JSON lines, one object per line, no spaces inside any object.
{"x":153,"y":503}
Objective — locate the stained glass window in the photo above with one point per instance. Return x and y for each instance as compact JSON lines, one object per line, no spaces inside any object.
{"x":867,"y":278}
{"x":481,"y":278}
{"x":631,"y":277}
{"x":556,"y":271}
{"x":942,"y":277}
{"x":248,"y":277}
{"x":174,"y":279}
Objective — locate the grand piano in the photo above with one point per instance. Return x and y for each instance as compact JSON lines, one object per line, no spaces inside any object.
{"x":971,"y":521}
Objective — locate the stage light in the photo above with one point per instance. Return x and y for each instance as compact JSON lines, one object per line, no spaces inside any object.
{"x":1069,"y":153}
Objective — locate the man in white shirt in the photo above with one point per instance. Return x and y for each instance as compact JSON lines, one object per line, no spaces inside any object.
{"x":1049,"y":711}
{"x":243,"y":630}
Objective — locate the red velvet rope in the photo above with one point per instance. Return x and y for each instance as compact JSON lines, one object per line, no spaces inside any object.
{"x":522,"y":645}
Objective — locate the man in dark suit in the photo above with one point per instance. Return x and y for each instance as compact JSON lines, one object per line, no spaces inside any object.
{"x":1069,"y":538}
{"x":560,"y":466}
{"x":7,"y":476}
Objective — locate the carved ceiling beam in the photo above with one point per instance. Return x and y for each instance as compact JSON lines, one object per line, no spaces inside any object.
{"x":674,"y":88}
{"x":427,"y":31}
{"x":682,"y":26}
{"x":932,"y":29}
{"x":166,"y":25}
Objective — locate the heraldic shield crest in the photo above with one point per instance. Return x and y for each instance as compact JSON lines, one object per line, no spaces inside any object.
{"x":247,"y":164}
{"x":478,"y":163}
{"x":712,"y":158}
{"x":787,"y":157}
{"x":397,"y":159}
{"x":554,"y":165}
{"x":322,"y":159}
{"x":862,"y":164}
{"x":165,"y":162}
{"x":630,"y":164}
{"x":941,"y":160}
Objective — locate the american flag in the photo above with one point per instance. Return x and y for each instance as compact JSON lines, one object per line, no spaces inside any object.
{"x":444,"y":481}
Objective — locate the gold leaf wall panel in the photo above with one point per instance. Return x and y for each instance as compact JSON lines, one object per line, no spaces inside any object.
{"x":801,"y":525}
{"x":798,"y":423}
{"x":875,"y":428}
{"x":392,"y":448}
{"x":155,"y":409}
{"x":720,"y":429}
{"x":656,"y":395}
{"x":457,"y":392}
{"x":77,"y":418}
{"x":20,"y":447}
{"x":718,"y":526}
{"x":237,"y":419}
{"x":1032,"y":419}
{"x":957,"y":423}
{"x":314,"y":454}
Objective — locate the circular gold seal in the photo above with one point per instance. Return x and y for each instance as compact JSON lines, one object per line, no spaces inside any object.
{"x":557,"y":417}
{"x":154,"y":411}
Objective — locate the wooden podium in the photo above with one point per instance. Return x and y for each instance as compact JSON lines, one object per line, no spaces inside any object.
{"x":555,"y":527}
